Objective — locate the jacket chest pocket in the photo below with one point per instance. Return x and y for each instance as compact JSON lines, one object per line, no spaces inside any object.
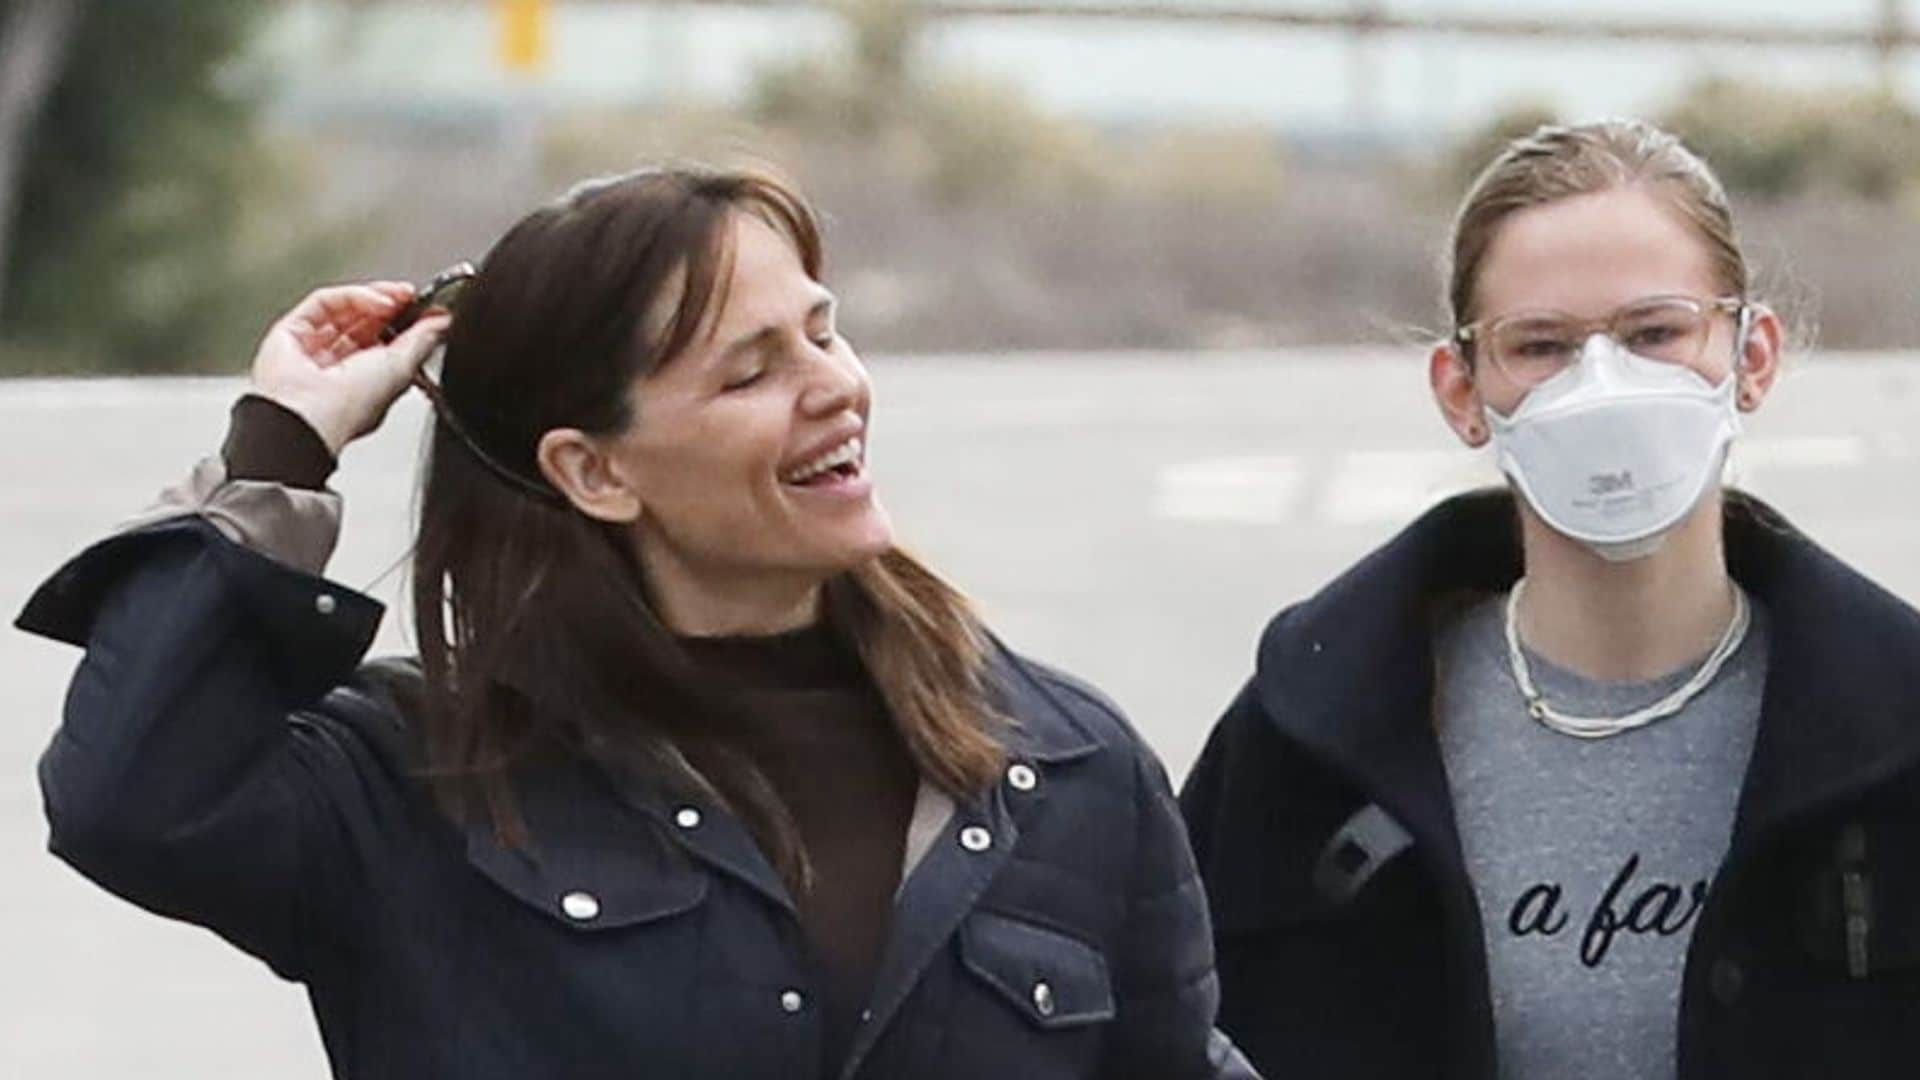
{"x":1860,"y":910}
{"x":1053,"y":981}
{"x":1029,"y":1001}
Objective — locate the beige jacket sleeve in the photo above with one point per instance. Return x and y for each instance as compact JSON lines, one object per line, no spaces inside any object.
{"x":293,"y":525}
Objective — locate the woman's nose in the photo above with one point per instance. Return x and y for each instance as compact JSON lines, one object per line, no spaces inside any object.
{"x":835,"y":381}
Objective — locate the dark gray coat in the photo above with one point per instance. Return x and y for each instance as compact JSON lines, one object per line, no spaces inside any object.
{"x":225,"y":760}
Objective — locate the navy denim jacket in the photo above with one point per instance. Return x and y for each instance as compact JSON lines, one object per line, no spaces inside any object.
{"x":227,"y":759}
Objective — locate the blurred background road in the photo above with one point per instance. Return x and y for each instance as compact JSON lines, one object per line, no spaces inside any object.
{"x":1134,"y":518}
{"x":1142,"y":283}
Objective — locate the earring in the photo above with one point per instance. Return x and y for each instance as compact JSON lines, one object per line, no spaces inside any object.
{"x":1474,"y":434}
{"x":1746,"y":399}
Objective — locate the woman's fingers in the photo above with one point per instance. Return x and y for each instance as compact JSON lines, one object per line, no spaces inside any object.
{"x":325,"y":360}
{"x":333,"y":323}
{"x":412,"y":348}
{"x":397,"y":290}
{"x":341,"y":306}
{"x":343,"y":301}
{"x":360,"y":334}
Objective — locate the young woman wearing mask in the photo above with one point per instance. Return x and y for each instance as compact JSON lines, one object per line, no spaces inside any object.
{"x":697,"y":775}
{"x":1613,"y":773}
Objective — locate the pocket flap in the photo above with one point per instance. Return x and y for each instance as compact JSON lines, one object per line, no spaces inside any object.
{"x":588,"y":895}
{"x":1051,"y":978}
{"x":589,"y":864}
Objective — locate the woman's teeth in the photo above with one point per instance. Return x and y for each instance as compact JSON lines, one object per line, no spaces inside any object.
{"x":846,"y":453}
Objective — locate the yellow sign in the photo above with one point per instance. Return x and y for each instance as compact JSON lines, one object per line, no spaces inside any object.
{"x":523,"y":33}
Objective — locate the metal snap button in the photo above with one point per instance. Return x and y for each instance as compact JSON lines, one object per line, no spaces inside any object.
{"x":325,"y":603}
{"x":687,"y":817}
{"x":1022,"y":777}
{"x":791,"y":1001}
{"x":975,"y":838}
{"x":1043,"y":998}
{"x":580,"y":906}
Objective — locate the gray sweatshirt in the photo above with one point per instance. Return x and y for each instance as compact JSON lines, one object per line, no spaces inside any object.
{"x":1590,"y":859}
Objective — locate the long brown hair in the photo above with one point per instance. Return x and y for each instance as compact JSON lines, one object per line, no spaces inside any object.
{"x":536,"y":636}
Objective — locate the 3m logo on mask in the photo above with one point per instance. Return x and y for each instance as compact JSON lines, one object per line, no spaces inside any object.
{"x":1610,"y":483}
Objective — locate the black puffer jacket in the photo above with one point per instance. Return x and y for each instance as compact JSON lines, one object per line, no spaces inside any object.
{"x":226,"y":761}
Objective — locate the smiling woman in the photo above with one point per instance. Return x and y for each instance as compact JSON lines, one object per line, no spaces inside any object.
{"x":697,"y":773}
{"x":667,"y":397}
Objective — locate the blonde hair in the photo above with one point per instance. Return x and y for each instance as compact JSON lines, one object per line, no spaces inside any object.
{"x":1558,"y":162}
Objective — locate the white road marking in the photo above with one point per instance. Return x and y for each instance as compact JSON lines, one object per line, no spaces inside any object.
{"x":1243,"y":489}
{"x":1372,"y":486}
{"x":1752,"y":458}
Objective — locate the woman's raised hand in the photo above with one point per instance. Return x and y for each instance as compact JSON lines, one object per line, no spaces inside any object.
{"x":325,"y":361}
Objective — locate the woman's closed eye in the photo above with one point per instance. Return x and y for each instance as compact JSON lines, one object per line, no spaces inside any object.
{"x":744,"y":377}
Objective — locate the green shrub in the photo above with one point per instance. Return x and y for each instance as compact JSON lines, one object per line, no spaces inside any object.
{"x":1477,"y":149}
{"x":1772,"y":142}
{"x":155,"y":223}
{"x":963,"y":138}
{"x":979,"y":139}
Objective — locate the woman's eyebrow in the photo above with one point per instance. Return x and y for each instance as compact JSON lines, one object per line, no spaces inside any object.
{"x":750,"y":342}
{"x":756,"y":338}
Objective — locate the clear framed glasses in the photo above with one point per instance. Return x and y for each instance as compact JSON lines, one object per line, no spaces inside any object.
{"x":1530,"y":347}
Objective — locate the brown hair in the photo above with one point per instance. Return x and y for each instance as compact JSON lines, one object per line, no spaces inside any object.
{"x":1558,"y":162}
{"x":536,"y":635}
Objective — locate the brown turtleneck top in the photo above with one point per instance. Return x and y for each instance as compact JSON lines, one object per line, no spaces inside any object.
{"x":816,"y":728}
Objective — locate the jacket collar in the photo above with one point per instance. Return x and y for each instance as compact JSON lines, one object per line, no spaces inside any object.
{"x":588,"y":833}
{"x":1841,"y":708}
{"x":1039,"y":725}
{"x":1040,"y":728}
{"x":1349,"y":672}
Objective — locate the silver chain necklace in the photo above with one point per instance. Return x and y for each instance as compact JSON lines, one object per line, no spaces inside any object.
{"x":1600,"y":727}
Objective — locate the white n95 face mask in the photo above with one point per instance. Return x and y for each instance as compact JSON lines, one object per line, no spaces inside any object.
{"x":1617,"y":449}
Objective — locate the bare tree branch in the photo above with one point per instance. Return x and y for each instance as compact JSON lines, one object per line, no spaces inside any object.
{"x":34,"y":39}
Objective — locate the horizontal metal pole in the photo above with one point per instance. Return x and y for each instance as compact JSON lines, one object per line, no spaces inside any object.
{"x":1731,"y":32}
{"x":1886,"y":35}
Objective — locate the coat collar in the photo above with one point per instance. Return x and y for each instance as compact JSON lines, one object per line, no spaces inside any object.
{"x":1041,"y":729}
{"x":1039,"y":725}
{"x":1349,"y":672}
{"x":588,"y":833}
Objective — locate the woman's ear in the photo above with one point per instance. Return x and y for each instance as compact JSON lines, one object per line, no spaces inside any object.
{"x":1457,"y":393}
{"x":582,"y":468}
{"x":1757,"y":356}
